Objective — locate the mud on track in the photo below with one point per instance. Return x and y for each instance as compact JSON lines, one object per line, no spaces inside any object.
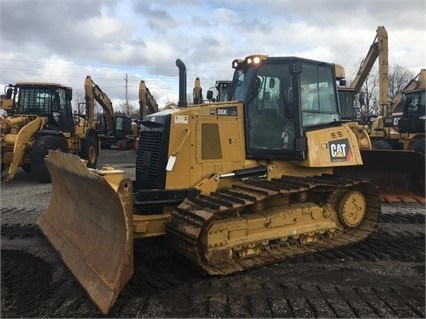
{"x":381,"y":277}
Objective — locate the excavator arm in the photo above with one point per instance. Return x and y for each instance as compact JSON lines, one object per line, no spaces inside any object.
{"x":378,"y":49}
{"x":147,"y":103}
{"x":94,"y":93}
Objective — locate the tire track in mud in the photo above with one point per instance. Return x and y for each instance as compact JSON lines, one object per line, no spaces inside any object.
{"x":381,"y":277}
{"x":24,"y":283}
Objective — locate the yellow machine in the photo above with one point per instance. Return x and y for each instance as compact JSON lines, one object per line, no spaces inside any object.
{"x":397,"y":165}
{"x":404,"y":129}
{"x":115,"y":128}
{"x":147,"y":102}
{"x":389,"y":160}
{"x":147,"y":105}
{"x":39,"y":119}
{"x":378,"y":49}
{"x":222,"y":88}
{"x":232,"y":185}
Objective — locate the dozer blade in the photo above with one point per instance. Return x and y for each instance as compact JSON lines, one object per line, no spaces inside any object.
{"x":90,"y":224}
{"x":400,"y":175}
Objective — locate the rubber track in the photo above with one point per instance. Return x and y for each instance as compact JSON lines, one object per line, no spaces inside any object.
{"x":192,"y":217}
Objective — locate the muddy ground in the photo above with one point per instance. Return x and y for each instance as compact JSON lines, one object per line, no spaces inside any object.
{"x":381,"y":277}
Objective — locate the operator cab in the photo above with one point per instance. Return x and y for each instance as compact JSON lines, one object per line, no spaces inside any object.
{"x":50,"y":100}
{"x":283,"y":97}
{"x":414,"y":117}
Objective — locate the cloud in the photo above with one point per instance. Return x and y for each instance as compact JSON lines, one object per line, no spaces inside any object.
{"x":66,"y":40}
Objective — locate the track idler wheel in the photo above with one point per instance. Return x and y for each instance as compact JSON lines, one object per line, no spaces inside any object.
{"x":351,"y":207}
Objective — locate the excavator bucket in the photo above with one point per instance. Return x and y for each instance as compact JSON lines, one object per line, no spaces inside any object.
{"x":400,"y":175}
{"x":89,"y":222}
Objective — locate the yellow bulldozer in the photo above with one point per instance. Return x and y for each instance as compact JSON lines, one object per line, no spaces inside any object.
{"x":40,"y":119}
{"x":231,"y":185}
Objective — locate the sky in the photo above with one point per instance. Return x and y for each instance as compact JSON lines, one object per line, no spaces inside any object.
{"x":111,"y":40}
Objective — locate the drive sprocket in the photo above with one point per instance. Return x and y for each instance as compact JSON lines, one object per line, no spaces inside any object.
{"x":351,"y":207}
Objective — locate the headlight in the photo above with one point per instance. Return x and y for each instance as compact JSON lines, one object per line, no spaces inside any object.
{"x":236,"y":63}
{"x":255,"y":59}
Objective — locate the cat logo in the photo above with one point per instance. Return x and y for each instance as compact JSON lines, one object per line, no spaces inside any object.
{"x":340,"y":151}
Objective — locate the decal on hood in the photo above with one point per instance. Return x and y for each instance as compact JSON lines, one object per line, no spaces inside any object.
{"x":225,"y":111}
{"x":340,"y":150}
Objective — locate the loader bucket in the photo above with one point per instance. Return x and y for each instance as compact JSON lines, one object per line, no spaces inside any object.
{"x":90,"y":225}
{"x":400,"y":175}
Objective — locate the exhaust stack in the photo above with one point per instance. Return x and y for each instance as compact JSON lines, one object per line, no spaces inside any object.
{"x":182,"y":83}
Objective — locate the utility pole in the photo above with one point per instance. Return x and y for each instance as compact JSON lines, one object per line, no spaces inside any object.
{"x":127,"y":98}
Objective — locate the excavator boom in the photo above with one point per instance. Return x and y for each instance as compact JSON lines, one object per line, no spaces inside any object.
{"x":94,"y":93}
{"x":147,"y":102}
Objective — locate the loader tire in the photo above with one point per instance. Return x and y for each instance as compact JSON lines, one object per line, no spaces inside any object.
{"x":40,"y":149}
{"x":419,"y":146}
{"x":89,"y":151}
{"x":381,"y":145}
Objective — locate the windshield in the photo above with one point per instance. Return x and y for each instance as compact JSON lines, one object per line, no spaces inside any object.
{"x":222,"y":91}
{"x":346,"y":104}
{"x":415,"y":104}
{"x":38,"y":100}
{"x":318,"y":99}
{"x":268,"y":97}
{"x":241,"y":83}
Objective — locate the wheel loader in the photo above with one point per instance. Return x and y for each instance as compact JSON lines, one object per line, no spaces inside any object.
{"x":39,"y":119}
{"x":231,"y":185}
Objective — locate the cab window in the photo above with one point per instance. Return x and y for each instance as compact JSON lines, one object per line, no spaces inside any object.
{"x":317,"y":98}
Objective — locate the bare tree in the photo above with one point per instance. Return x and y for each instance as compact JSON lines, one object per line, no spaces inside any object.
{"x":399,"y":77}
{"x":79,"y":103}
{"x":127,"y":108}
{"x":368,"y":101}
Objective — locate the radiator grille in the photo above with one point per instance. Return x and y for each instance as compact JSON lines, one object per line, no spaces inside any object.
{"x":148,"y":160}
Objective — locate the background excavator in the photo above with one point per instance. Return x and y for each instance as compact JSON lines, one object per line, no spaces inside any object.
{"x":147,"y":102}
{"x":114,"y":128}
{"x":232,"y":185}
{"x":405,"y":127}
{"x":40,"y":118}
{"x":147,"y":105}
{"x":395,"y":161}
{"x":378,"y":49}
